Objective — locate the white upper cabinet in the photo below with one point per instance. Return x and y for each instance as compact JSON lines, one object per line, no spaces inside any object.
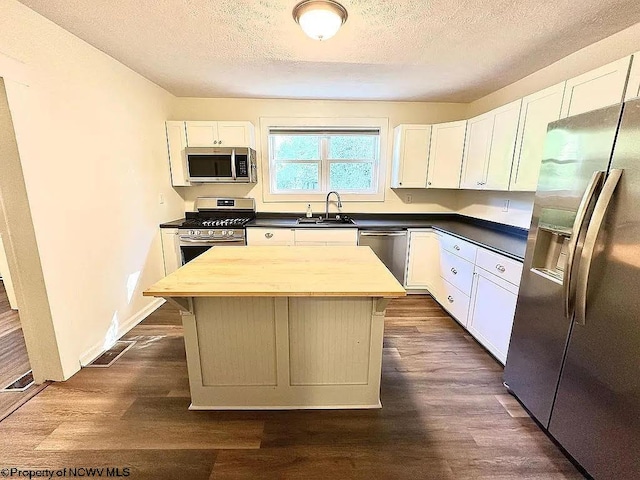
{"x":225,"y":134}
{"x":598,"y":88}
{"x":503,"y":143}
{"x":445,"y":154}
{"x":410,"y":156}
{"x":538,"y":110}
{"x":176,"y":143}
{"x":489,"y":147}
{"x":633,"y":86}
{"x":476,"y":151}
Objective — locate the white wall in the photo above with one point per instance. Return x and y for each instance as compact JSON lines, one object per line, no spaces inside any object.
{"x":253,"y":110}
{"x":91,"y":139}
{"x":510,"y":208}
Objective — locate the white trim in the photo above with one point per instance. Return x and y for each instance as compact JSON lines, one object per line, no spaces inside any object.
{"x":289,"y":407}
{"x":98,"y":349}
{"x":378,"y":123}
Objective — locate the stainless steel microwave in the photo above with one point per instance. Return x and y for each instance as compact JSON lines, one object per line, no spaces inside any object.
{"x":221,"y":165}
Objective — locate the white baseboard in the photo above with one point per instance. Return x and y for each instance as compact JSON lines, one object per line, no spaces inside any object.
{"x":96,"y":350}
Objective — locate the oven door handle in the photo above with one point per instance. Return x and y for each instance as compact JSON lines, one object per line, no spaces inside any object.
{"x":192,"y":241}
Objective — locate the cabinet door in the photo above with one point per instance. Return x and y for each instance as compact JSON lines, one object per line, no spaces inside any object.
{"x":270,"y":236}
{"x":411,"y":155}
{"x":493,"y":306}
{"x":445,"y":155}
{"x":171,"y":250}
{"x":202,"y":134}
{"x":598,"y":88}
{"x":633,"y":85}
{"x":476,"y":151}
{"x":176,"y":143}
{"x":423,"y":265}
{"x":234,"y":134}
{"x":538,"y":110}
{"x":503,"y":143}
{"x":322,"y":236}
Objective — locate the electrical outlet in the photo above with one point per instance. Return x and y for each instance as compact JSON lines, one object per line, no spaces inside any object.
{"x":161,"y":198}
{"x":409,"y":198}
{"x":505,"y":206}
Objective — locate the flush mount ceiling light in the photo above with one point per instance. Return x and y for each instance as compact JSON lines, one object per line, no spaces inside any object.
{"x":320,"y":19}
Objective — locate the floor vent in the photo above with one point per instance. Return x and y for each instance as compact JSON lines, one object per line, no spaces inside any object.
{"x":21,"y":384}
{"x":114,"y":353}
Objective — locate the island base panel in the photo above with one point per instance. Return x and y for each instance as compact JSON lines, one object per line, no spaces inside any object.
{"x":284,"y":352}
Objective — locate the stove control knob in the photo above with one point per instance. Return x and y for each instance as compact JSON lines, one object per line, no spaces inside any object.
{"x":191,"y":233}
{"x":223,"y":233}
{"x":210,"y":232}
{"x":196,"y":232}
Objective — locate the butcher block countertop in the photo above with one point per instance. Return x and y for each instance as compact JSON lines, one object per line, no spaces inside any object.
{"x":256,"y":271}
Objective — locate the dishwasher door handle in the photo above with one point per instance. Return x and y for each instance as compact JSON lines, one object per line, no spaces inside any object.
{"x":383,"y":234}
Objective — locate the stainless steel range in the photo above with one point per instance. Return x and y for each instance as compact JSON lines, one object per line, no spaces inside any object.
{"x":216,"y":222}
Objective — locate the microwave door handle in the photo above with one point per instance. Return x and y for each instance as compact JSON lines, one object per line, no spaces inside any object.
{"x":578,"y":226}
{"x":586,"y":258}
{"x":233,"y":164}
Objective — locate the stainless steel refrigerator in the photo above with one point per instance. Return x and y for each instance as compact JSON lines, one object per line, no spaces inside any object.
{"x":574,"y":356}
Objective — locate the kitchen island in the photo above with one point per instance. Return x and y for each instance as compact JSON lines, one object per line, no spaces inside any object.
{"x":282,"y":327}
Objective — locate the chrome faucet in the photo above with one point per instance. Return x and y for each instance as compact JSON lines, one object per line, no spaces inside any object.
{"x":339,"y":203}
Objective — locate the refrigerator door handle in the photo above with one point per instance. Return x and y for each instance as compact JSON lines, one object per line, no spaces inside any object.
{"x":587,"y":198}
{"x":595,"y":225}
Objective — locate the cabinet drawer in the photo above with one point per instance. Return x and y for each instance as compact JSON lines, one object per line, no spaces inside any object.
{"x":456,"y":271}
{"x":499,"y":265}
{"x":337,"y":236}
{"x":454,"y":301}
{"x":269,"y":236}
{"x":459,"y":247}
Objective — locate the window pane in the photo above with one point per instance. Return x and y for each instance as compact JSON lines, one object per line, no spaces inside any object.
{"x":351,"y":176}
{"x":296,"y":147}
{"x":297,"y":176}
{"x":354,"y":147}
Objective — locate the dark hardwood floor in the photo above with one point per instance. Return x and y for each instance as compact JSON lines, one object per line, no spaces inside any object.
{"x":13,"y":357}
{"x":446,"y":415}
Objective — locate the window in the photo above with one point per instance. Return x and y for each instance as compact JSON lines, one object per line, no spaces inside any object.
{"x":317,"y":160}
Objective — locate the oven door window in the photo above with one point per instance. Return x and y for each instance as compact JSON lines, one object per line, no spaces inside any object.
{"x":191,"y":252}
{"x":210,"y":166}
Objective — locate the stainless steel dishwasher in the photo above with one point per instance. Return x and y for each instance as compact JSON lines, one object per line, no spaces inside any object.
{"x":390,"y":246}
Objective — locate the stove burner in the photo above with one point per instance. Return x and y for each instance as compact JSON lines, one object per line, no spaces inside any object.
{"x":216,"y":222}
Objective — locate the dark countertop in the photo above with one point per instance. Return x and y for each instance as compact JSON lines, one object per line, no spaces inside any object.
{"x":503,"y":239}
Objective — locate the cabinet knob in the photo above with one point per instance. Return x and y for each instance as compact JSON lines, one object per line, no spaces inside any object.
{"x":399,"y":183}
{"x":500,"y":268}
{"x":428,"y":183}
{"x":219,"y":142}
{"x":450,"y":298}
{"x":268,"y":235}
{"x":215,"y":142}
{"x":454,"y":271}
{"x":456,"y":247}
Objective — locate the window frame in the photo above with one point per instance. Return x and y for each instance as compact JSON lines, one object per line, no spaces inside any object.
{"x":333,"y":125}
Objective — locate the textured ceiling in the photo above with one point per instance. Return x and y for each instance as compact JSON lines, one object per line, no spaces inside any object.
{"x":431,"y":50}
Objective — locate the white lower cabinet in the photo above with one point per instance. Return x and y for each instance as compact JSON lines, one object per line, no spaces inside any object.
{"x":342,"y":237}
{"x":270,"y":236}
{"x":302,"y":236}
{"x":479,"y":288}
{"x":493,"y":306}
{"x":171,"y":250}
{"x":455,"y":302}
{"x":423,"y":260}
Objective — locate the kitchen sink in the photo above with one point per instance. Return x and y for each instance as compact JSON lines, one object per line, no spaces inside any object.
{"x":337,"y":220}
